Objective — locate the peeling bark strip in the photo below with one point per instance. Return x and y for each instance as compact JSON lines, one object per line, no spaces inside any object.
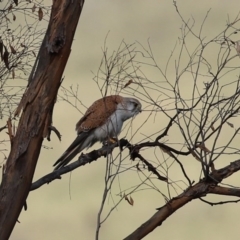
{"x":37,"y":106}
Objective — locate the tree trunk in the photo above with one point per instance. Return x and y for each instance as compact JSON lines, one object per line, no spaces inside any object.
{"x":37,"y":106}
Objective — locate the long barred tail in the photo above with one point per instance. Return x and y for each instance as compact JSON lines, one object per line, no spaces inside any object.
{"x":72,"y":151}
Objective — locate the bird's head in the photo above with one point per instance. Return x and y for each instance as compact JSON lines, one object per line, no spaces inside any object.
{"x":135,"y":106}
{"x":132,"y":107}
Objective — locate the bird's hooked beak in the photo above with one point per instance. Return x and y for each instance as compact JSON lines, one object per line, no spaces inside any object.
{"x":139,"y":108}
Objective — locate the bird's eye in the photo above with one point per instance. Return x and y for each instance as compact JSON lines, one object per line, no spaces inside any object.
{"x":135,"y":104}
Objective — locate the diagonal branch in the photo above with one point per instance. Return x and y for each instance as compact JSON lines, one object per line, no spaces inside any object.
{"x":219,"y":190}
{"x":82,"y":160}
{"x":93,"y":156}
{"x":202,"y":188}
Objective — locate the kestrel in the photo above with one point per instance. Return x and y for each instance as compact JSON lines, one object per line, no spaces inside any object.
{"x":102,"y":121}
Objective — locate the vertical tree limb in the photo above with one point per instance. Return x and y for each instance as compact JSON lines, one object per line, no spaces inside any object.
{"x":37,"y":105}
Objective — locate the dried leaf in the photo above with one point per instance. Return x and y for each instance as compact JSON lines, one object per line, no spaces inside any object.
{"x":13,"y":73}
{"x":128,"y":83}
{"x":16,"y":2}
{"x":230,"y":124}
{"x":14,"y":17}
{"x":34,"y":8}
{"x":212,"y":127}
{"x":1,"y":49}
{"x":13,"y":51}
{"x":5,"y":57}
{"x":10,"y":7}
{"x":22,"y":45}
{"x":130,"y":201}
{"x":40,"y":14}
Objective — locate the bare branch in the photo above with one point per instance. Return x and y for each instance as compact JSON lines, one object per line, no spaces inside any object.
{"x":198,"y":190}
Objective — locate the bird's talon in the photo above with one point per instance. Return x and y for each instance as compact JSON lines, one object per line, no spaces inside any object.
{"x":112,"y":140}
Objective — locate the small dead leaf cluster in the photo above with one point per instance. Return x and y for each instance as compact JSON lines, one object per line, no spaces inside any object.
{"x":4,"y":54}
{"x":11,"y":7}
{"x":129,"y":200}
